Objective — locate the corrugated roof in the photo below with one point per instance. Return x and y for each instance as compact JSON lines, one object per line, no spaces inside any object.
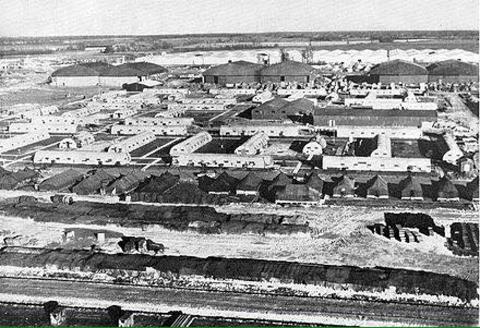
{"x":452,"y":67}
{"x":287,"y":68}
{"x":241,"y":67}
{"x":398,"y":67}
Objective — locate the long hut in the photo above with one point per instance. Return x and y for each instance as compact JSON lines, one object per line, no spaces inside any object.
{"x":446,"y":191}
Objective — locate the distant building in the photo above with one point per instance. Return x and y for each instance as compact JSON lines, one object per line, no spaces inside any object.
{"x":452,"y":71}
{"x":191,"y":144}
{"x":96,"y":48}
{"x":253,"y":146}
{"x":289,"y":71}
{"x":103,"y":74}
{"x":375,"y":118}
{"x":22,"y":140}
{"x":80,"y":157}
{"x":279,"y":108}
{"x":397,"y":71}
{"x":233,"y":72}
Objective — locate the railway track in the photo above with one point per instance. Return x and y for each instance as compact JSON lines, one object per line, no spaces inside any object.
{"x":307,"y":310}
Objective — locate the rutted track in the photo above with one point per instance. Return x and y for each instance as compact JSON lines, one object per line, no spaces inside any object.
{"x":300,"y":309}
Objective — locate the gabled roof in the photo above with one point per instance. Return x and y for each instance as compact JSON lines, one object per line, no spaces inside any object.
{"x":123,"y":70}
{"x":274,"y":104}
{"x":377,"y":187}
{"x":250,"y":182}
{"x":288,"y":68}
{"x":104,"y":69}
{"x":93,"y":183}
{"x":237,"y":68}
{"x":446,"y":189}
{"x":146,"y":67}
{"x":301,"y":105}
{"x":127,"y":182}
{"x":398,"y":67}
{"x":452,"y":67}
{"x":410,"y":187}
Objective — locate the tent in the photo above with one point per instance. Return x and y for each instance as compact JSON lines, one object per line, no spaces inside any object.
{"x":94,"y":183}
{"x":61,"y":181}
{"x":377,"y":188}
{"x":345,"y":187}
{"x":223,"y":184}
{"x":315,"y":182}
{"x":472,"y":189}
{"x":153,"y":188}
{"x":250,"y":185}
{"x":446,"y":190}
{"x":127,"y":183}
{"x":410,"y":189}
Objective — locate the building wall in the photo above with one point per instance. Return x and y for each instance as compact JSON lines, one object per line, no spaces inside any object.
{"x":453,"y":78}
{"x":376,"y":164}
{"x":158,"y":121}
{"x":117,"y":81}
{"x":75,"y":81}
{"x":224,"y":160}
{"x":407,"y":79}
{"x":287,"y":130}
{"x":80,"y":157}
{"x":348,"y":120}
{"x":50,"y":128}
{"x":287,"y":78}
{"x":173,"y":130}
{"x":232,"y":79}
{"x":370,"y":132}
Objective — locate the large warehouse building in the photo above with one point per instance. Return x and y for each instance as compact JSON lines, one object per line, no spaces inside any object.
{"x":452,"y":71}
{"x":288,"y":71}
{"x":397,"y":71}
{"x":100,"y":73}
{"x":233,"y":72}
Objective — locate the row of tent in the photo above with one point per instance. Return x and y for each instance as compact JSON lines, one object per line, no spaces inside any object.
{"x":177,"y":186}
{"x":322,"y":55}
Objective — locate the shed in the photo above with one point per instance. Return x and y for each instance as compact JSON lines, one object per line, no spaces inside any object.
{"x":377,"y":188}
{"x":61,"y":181}
{"x":410,"y":189}
{"x":452,"y":71}
{"x":233,"y":72}
{"x":446,"y":190}
{"x":288,"y":71}
{"x":249,"y":185}
{"x":396,"y":71}
{"x":345,"y":187}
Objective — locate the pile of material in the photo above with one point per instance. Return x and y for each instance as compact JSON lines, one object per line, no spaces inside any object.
{"x":464,"y":239}
{"x":375,"y":279}
{"x":407,"y":227}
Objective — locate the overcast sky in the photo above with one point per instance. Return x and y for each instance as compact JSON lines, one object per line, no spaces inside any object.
{"x":111,"y":17}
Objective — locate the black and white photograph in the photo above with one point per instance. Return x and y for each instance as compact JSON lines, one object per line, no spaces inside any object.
{"x":221,"y":163}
